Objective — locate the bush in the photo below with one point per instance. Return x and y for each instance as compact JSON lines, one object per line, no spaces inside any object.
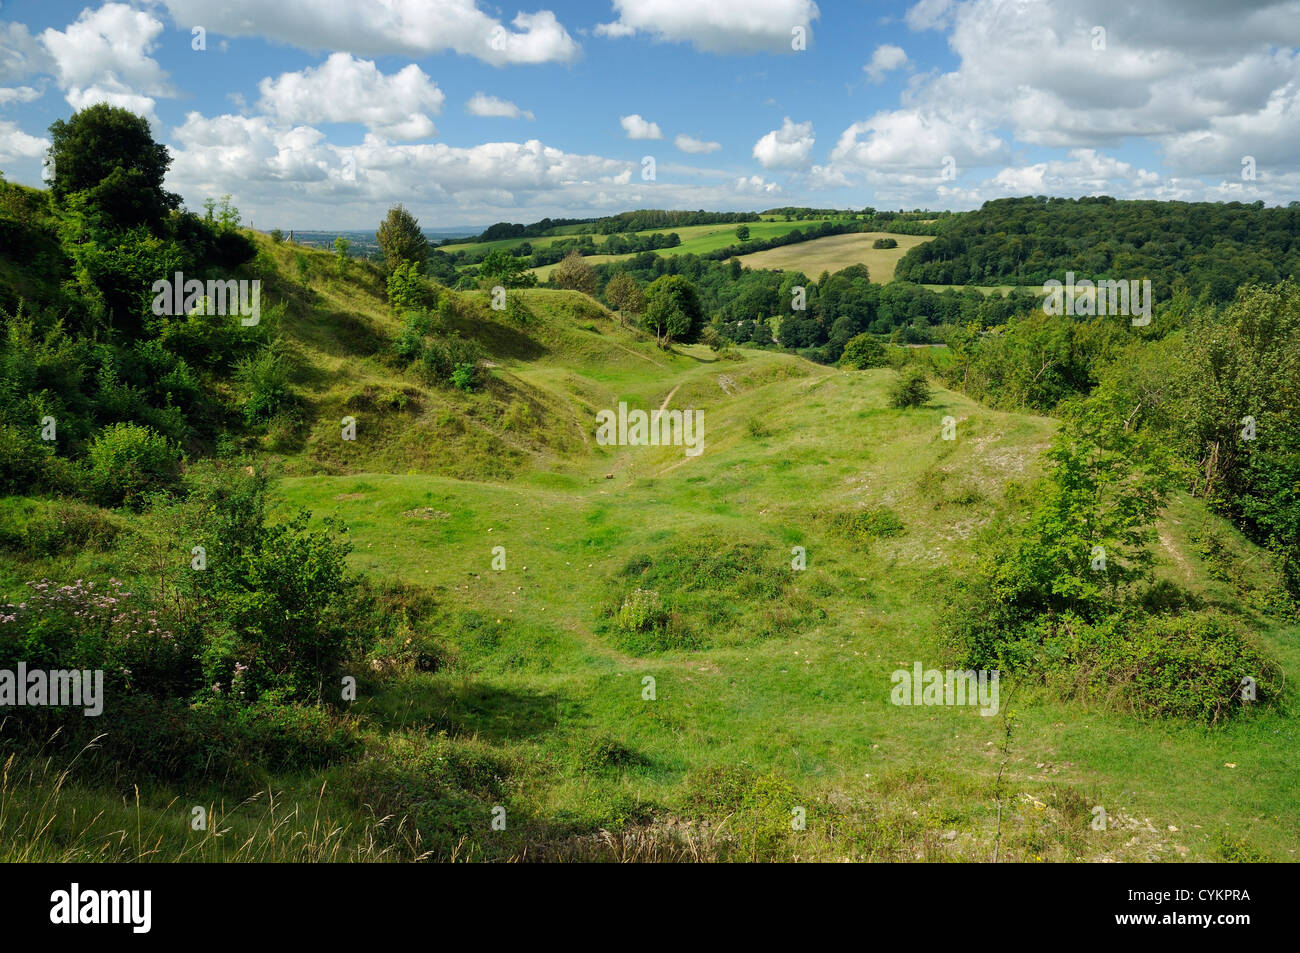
{"x":863,"y":351}
{"x":127,"y":461}
{"x":445,"y":356}
{"x":1185,"y":665}
{"x":885,"y":243}
{"x":27,"y":464}
{"x":911,"y":388}
{"x":263,"y":381}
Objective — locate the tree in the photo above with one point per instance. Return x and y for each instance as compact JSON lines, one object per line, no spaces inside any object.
{"x":108,"y":155}
{"x":624,"y":294}
{"x":575,"y":274}
{"x":341,"y":246}
{"x":502,"y":268}
{"x":742,"y":232}
{"x":864,"y":351}
{"x":673,"y":310}
{"x":400,"y":239}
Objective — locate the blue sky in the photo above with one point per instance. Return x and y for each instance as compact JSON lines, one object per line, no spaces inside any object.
{"x":321,"y":113}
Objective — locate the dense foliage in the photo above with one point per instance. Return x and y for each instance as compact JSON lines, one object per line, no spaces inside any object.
{"x":1179,"y":246}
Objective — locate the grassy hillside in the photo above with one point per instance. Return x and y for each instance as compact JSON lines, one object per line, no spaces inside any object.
{"x":771,"y":684}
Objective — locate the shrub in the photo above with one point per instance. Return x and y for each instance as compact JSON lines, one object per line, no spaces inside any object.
{"x":407,"y":289}
{"x":911,"y":388}
{"x":263,"y":381}
{"x":127,"y":461}
{"x":410,"y":343}
{"x":444,"y":356}
{"x":862,"y":526}
{"x":885,"y":243}
{"x":27,"y":464}
{"x":863,"y":351}
{"x":464,"y":377}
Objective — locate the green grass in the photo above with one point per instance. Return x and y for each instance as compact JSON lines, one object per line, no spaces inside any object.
{"x":771,"y":684}
{"x":696,"y":240}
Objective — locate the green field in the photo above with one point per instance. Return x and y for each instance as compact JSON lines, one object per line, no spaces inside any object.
{"x":774,"y":695}
{"x":696,"y":239}
{"x":836,"y":252}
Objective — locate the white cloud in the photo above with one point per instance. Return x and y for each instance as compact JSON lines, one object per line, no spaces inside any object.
{"x":344,"y":89}
{"x":18,"y":94}
{"x":104,"y":57}
{"x":295,"y":176}
{"x":717,"y":26}
{"x":910,"y":138}
{"x":16,"y":144}
{"x":929,"y":14}
{"x":379,"y":27}
{"x":789,"y":147}
{"x":638,"y":128}
{"x":756,"y":185}
{"x":696,"y":146}
{"x":21,"y":54}
{"x":887,"y":57}
{"x":481,"y":104}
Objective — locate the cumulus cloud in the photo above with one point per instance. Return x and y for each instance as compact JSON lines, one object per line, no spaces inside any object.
{"x":696,"y":146}
{"x":286,"y":175}
{"x":104,"y":57}
{"x":887,"y":57}
{"x":16,"y":144}
{"x":18,"y":94}
{"x":481,"y":104}
{"x":379,"y":27}
{"x":345,"y":89}
{"x":719,"y":26}
{"x":789,"y":147}
{"x":756,"y":185}
{"x":638,"y":128}
{"x":929,"y":14}
{"x":21,"y":54}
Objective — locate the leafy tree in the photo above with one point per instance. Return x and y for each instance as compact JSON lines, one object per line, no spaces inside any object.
{"x":406,"y":289}
{"x":742,"y":232}
{"x":1088,"y":538}
{"x":400,"y":239}
{"x":673,"y":310}
{"x":108,"y":155}
{"x":502,"y":268}
{"x":575,"y":274}
{"x":623,"y":293}
{"x":221,"y":212}
{"x":277,"y":236}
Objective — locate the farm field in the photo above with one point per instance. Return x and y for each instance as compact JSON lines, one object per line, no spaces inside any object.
{"x":836,"y":252}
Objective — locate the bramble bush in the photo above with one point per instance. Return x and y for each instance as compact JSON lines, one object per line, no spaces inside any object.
{"x":126,"y":461}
